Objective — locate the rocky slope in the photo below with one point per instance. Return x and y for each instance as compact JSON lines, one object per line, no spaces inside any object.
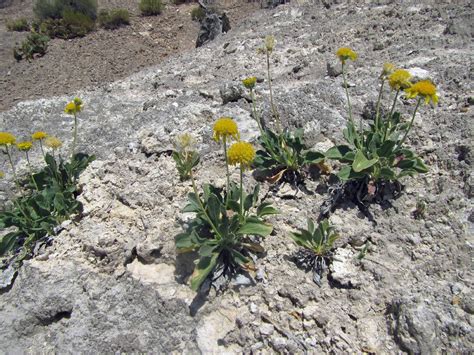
{"x":113,"y":281}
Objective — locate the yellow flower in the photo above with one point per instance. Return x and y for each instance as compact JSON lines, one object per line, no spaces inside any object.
{"x":53,"y":142}
{"x":225,"y":127}
{"x":345,"y":53}
{"x":269,"y":43}
{"x":241,"y":153}
{"x":39,"y":135}
{"x":250,"y":82}
{"x":1,"y":174}
{"x":24,"y":146}
{"x":399,"y":79}
{"x":7,"y":138}
{"x":424,"y":88}
{"x":74,"y":106}
{"x":388,"y":69}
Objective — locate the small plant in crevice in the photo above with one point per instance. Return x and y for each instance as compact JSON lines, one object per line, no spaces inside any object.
{"x":197,"y":13}
{"x":45,"y":198}
{"x":185,"y":155}
{"x":318,"y":245}
{"x":284,"y":156}
{"x":228,"y":221}
{"x":374,"y":158}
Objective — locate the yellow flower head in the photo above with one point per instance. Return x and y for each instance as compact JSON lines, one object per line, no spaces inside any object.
{"x":1,"y":174}
{"x":345,"y":53}
{"x":425,"y":89}
{"x":39,"y":135}
{"x":53,"y":142}
{"x":269,"y":43}
{"x":399,"y":79}
{"x":24,"y":146}
{"x":241,"y":153}
{"x":74,"y":106}
{"x":7,"y":138}
{"x":388,"y":69}
{"x":250,"y":82}
{"x":225,"y":127}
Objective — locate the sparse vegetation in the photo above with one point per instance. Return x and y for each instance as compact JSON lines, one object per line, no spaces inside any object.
{"x":35,"y":45}
{"x":197,"y":13}
{"x":113,"y":19}
{"x":151,"y":7}
{"x":18,"y":25}
{"x":55,"y":9}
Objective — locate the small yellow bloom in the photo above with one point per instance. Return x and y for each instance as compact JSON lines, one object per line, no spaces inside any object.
{"x":53,"y":142}
{"x":225,"y":127}
{"x":39,"y":135}
{"x":2,"y":175}
{"x":388,"y":69}
{"x":424,"y":88}
{"x":74,"y":106}
{"x":7,"y":138}
{"x":399,"y":79}
{"x":269,"y":43}
{"x":345,"y":53}
{"x":241,"y":153}
{"x":24,"y":146}
{"x":250,"y":82}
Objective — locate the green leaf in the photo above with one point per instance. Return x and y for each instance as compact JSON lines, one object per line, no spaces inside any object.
{"x":8,"y":242}
{"x":202,"y":270}
{"x":337,"y":152}
{"x":184,"y":242}
{"x":313,"y":157}
{"x":266,"y":209}
{"x":207,"y":250}
{"x":193,"y":204}
{"x":361,"y":162}
{"x":214,"y":208}
{"x":255,"y":228}
{"x":420,"y":165}
{"x":387,"y":174}
{"x":386,"y":149}
{"x":344,"y":173}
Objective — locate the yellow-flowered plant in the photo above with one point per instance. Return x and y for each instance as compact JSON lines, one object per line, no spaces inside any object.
{"x":284,"y":156}
{"x":227,"y":221}
{"x":375,"y":155}
{"x":73,"y":108}
{"x":46,"y":198}
{"x":185,"y":155}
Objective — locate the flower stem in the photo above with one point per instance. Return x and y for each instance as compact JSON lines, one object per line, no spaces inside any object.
{"x":410,"y":125}
{"x":13,"y":168}
{"x":31,"y":171}
{"x":241,"y":192}
{"x":227,"y":190}
{"x":254,"y":109}
{"x":394,"y":103}
{"x":377,"y":110}
{"x":193,"y":181}
{"x":41,"y":146}
{"x":75,"y":136}
{"x":347,"y":94}
{"x":274,"y":110}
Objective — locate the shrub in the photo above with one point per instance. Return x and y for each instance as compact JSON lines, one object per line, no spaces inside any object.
{"x":54,"y":9}
{"x":34,"y":44}
{"x":18,"y":25}
{"x":151,"y":7}
{"x":113,"y":19}
{"x":197,"y":13}
{"x":74,"y":24}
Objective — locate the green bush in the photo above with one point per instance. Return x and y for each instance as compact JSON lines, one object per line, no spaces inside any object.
{"x":113,"y":19}
{"x":55,"y":9}
{"x":35,"y":43}
{"x":18,"y":25}
{"x":197,"y":13}
{"x":74,"y":24}
{"x":151,"y":7}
